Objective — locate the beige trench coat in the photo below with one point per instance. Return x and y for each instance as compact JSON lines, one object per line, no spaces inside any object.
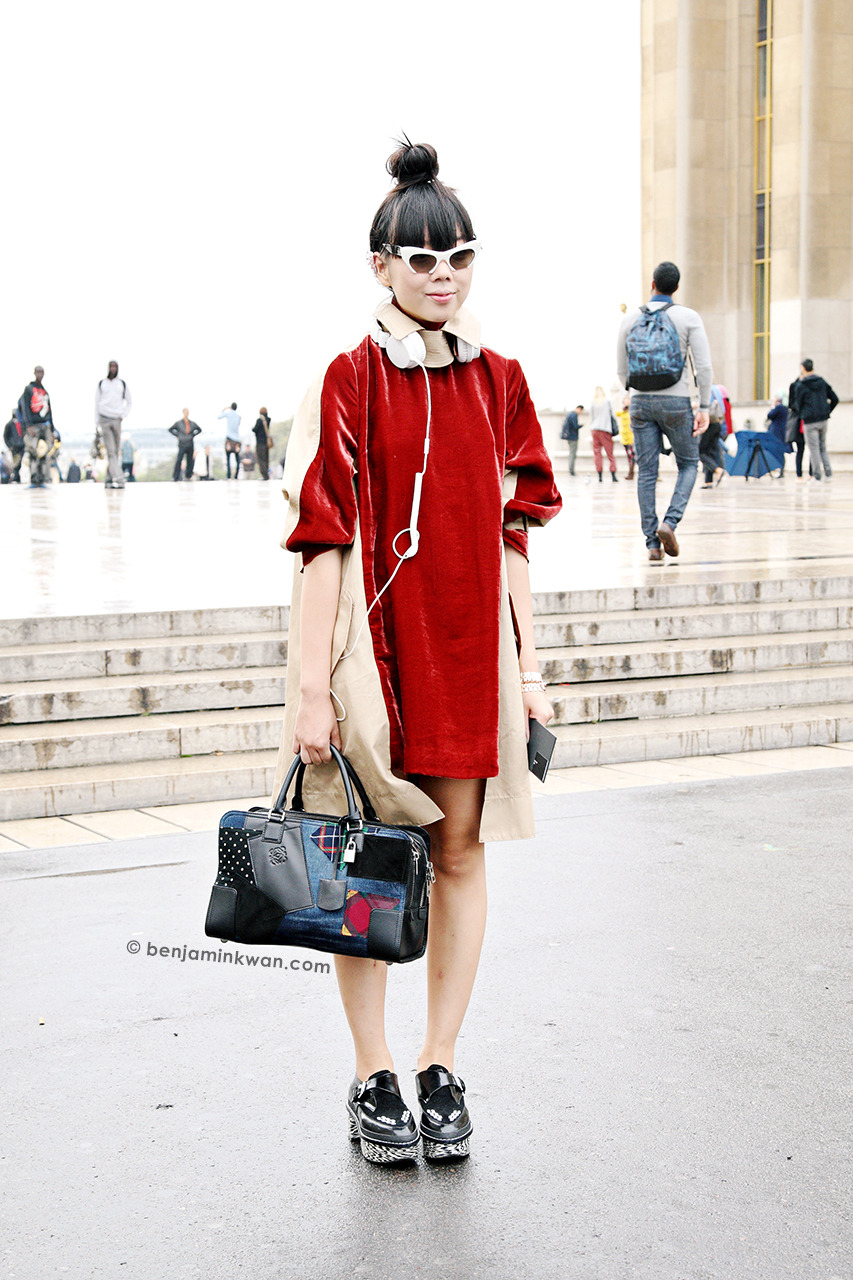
{"x":365,"y":730}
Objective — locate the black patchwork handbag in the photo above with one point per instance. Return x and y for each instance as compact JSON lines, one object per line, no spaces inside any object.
{"x":351,"y":885}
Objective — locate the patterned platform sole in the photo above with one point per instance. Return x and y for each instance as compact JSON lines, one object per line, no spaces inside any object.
{"x":376,"y":1152}
{"x":447,"y":1150}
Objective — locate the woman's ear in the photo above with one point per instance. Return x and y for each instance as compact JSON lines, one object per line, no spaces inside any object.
{"x":380,"y":269}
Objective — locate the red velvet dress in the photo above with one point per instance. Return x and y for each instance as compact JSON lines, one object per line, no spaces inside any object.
{"x":435,"y":630}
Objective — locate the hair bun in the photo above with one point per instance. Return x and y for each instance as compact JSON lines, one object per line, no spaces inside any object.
{"x":413,"y":163}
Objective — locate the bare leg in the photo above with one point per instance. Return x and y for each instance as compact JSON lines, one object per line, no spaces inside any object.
{"x":362,"y":986}
{"x":457,"y":921}
{"x":457,"y":914}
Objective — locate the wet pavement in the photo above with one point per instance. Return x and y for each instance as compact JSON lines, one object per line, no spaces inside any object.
{"x":74,"y":549}
{"x":657,"y":1056}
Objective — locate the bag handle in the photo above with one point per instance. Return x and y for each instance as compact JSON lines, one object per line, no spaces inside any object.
{"x":352,"y":814}
{"x":367,"y":809}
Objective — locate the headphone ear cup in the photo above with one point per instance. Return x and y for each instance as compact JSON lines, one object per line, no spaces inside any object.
{"x":465,"y":352}
{"x":407,"y":353}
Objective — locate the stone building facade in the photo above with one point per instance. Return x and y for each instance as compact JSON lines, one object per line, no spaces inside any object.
{"x":747,"y":173}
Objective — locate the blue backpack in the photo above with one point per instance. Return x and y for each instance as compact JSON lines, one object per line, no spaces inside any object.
{"x":654,"y":351}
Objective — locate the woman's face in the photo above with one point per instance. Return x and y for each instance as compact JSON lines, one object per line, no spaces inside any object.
{"x":434,"y":298}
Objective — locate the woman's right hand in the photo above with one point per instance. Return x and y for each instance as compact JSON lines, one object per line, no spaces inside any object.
{"x":316,"y":726}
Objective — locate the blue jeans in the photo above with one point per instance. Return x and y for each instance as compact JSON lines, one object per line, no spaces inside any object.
{"x":652,"y":418}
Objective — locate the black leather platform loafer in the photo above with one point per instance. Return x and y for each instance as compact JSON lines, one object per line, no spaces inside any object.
{"x":445,"y":1123}
{"x":380,"y":1120}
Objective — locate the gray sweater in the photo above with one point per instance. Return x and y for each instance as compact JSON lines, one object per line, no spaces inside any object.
{"x":692,"y":336}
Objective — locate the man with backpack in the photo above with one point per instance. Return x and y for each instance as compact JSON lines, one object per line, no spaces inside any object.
{"x":36,"y":417}
{"x":112,"y":405}
{"x":651,"y":356}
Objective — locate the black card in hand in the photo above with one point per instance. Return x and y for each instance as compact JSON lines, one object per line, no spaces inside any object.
{"x":540,"y":748}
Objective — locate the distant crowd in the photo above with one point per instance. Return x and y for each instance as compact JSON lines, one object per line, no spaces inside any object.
{"x":32,"y":440}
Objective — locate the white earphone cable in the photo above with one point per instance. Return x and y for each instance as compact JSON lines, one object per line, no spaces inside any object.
{"x":411,"y":530}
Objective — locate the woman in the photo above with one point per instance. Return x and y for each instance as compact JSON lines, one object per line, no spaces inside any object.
{"x":601,"y":425}
{"x":430,"y":700}
{"x":263,"y":442}
{"x":626,"y":435}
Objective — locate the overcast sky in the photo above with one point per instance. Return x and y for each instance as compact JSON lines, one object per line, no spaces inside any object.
{"x":190,"y":188}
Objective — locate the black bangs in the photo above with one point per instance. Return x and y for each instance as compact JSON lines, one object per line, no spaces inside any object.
{"x":406,"y":214}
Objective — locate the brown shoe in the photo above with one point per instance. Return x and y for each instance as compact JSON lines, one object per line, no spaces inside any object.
{"x":667,"y":537}
{"x":656,"y":555}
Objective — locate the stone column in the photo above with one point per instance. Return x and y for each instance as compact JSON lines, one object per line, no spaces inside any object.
{"x":811,"y":309}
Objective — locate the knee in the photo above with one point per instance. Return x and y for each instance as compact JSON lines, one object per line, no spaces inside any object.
{"x":458,"y":858}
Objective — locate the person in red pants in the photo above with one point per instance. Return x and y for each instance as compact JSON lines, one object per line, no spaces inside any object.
{"x":601,"y":424}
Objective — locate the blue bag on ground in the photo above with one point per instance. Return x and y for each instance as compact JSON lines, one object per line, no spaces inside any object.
{"x":654,"y":351}
{"x":350,"y":885}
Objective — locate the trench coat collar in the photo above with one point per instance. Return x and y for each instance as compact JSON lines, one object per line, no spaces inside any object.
{"x":439,"y":354}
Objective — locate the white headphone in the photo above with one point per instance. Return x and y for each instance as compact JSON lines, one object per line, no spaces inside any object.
{"x":410,"y":352}
{"x":465,"y":352}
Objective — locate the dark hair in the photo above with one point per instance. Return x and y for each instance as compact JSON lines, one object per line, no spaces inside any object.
{"x":578,"y":406}
{"x":233,"y":406}
{"x":419,"y":207}
{"x":808,"y":365}
{"x":666,"y":278}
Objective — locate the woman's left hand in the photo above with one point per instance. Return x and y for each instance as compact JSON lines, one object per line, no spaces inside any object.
{"x":536,"y":707}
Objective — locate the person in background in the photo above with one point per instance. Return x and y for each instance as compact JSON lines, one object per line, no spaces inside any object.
{"x":205,"y":472}
{"x":569,"y":433}
{"x":709,"y":446}
{"x":73,"y":476}
{"x":247,"y":461}
{"x":185,"y":432}
{"x":666,"y":411}
{"x":794,"y":431}
{"x":601,"y":425}
{"x":777,"y":425}
{"x":127,"y":458}
{"x":626,"y":435}
{"x":112,"y":405}
{"x":13,"y":438}
{"x":263,"y":443}
{"x":232,"y":439}
{"x":815,"y":400}
{"x":53,"y":456}
{"x":36,"y":417}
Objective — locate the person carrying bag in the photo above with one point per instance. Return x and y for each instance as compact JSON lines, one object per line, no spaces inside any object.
{"x":414,"y":469}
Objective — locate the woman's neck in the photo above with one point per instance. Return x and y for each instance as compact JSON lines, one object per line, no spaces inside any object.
{"x":425,"y":324}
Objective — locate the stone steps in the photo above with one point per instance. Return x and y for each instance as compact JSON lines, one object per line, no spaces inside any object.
{"x":582,"y":663}
{"x":49,"y":701}
{"x":153,"y":624}
{"x":700,"y":695}
{"x":818,"y":582}
{"x":102,"y":696}
{"x":135,"y":785}
{"x":148,"y":656}
{"x":618,"y":626}
{"x":179,"y":706}
{"x":684,"y":736}
{"x":124,"y":739}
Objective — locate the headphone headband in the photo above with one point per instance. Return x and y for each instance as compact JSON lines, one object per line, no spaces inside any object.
{"x":410,"y":352}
